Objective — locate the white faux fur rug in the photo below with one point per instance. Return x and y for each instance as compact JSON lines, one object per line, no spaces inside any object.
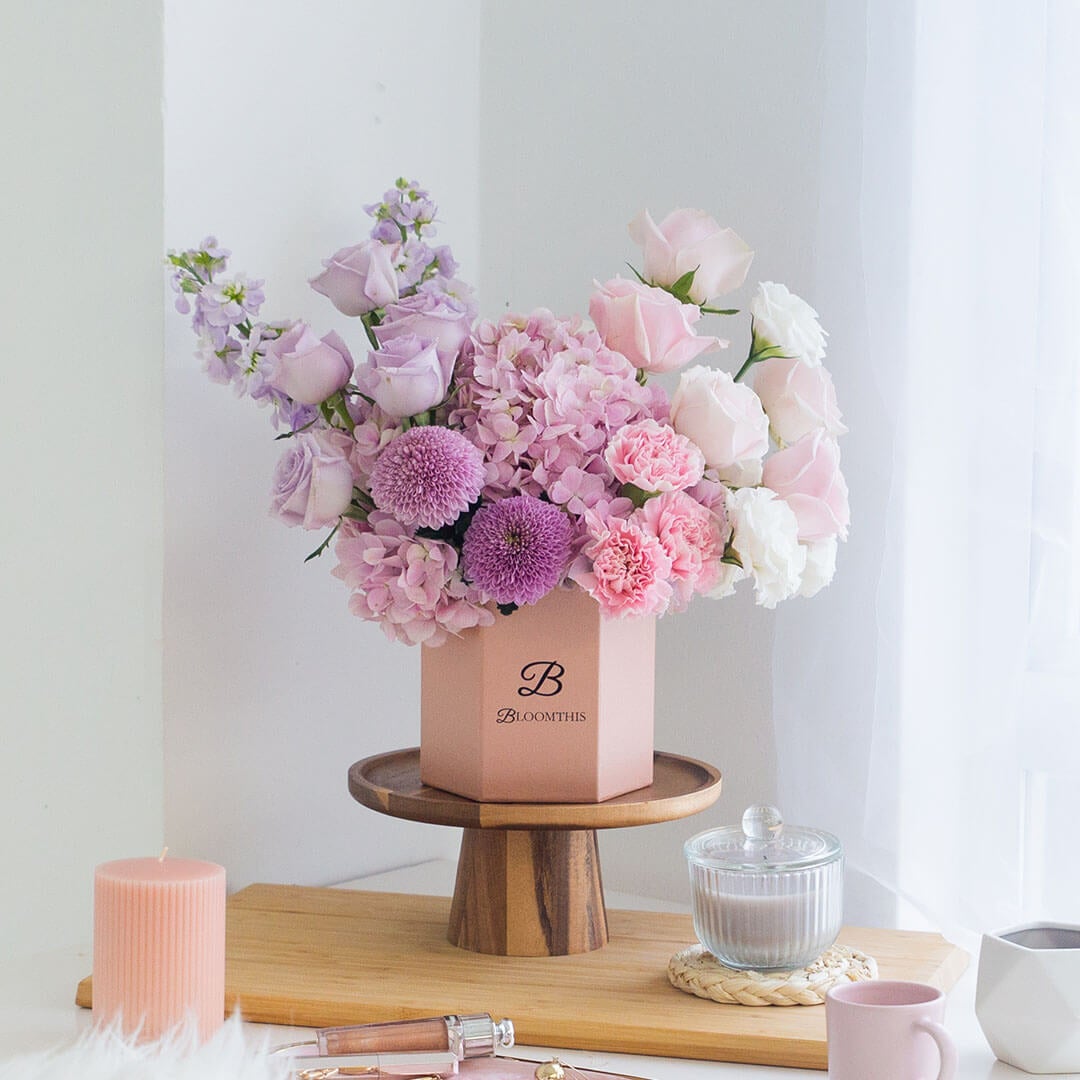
{"x":105,"y":1055}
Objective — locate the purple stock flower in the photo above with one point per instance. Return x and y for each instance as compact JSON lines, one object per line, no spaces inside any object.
{"x":427,"y":476}
{"x":516,"y":549}
{"x":445,"y":264}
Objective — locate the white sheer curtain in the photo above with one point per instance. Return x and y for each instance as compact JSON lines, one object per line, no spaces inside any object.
{"x":933,"y":721}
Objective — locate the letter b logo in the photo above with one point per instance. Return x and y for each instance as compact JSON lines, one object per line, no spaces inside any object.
{"x":545,"y":677}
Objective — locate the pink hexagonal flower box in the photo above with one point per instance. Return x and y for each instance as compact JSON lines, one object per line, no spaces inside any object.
{"x":553,"y":703}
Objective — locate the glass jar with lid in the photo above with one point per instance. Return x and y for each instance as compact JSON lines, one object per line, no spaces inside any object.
{"x":766,"y":896}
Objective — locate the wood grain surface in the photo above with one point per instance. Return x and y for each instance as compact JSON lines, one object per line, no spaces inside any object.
{"x":319,"y":957}
{"x":390,"y":783}
{"x":533,"y":892}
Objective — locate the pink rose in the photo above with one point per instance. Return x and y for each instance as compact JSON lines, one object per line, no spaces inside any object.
{"x":405,"y":376}
{"x":625,"y":570}
{"x":313,"y":481}
{"x":654,"y":457}
{"x":648,"y":326}
{"x":725,"y":419}
{"x":797,"y":398}
{"x":693,"y":538}
{"x":360,"y":278}
{"x":686,"y":240}
{"x":807,"y":477}
{"x":306,"y":368}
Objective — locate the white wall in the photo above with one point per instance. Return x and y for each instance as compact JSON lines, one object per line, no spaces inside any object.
{"x":80,"y":301}
{"x":282,"y":120}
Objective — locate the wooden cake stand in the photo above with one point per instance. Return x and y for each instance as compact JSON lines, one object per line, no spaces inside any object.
{"x":528,"y":877}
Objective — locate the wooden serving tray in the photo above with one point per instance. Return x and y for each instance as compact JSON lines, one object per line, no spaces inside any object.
{"x":322,"y":957}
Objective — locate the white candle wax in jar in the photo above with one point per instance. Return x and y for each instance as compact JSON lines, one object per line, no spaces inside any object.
{"x":765,"y":897}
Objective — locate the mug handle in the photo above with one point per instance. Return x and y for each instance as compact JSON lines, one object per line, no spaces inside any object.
{"x":946,"y":1047}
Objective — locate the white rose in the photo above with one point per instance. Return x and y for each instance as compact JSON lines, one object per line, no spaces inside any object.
{"x":820,"y":566}
{"x":785,"y":321}
{"x":726,"y":421}
{"x":798,"y":399}
{"x":766,"y":538}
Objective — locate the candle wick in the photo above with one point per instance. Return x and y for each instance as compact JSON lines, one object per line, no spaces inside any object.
{"x":161,"y":857}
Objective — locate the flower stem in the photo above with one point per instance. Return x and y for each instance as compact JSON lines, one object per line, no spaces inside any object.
{"x":372,"y":339}
{"x":325,"y":544}
{"x":341,"y":410}
{"x":770,"y":352}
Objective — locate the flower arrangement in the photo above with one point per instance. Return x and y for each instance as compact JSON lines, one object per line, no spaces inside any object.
{"x":465,"y":468}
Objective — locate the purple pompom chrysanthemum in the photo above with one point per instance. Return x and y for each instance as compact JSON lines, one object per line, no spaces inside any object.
{"x":427,"y":476}
{"x":516,"y":549}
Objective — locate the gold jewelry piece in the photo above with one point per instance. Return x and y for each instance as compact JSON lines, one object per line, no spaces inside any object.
{"x":550,"y":1070}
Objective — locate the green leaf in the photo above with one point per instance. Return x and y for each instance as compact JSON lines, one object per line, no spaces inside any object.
{"x":719,"y":311}
{"x":681,"y":287}
{"x":637,"y":275}
{"x":732,"y":560}
{"x":638,"y":496}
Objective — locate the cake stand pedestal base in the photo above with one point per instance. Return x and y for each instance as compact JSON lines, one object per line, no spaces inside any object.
{"x":528,"y":877}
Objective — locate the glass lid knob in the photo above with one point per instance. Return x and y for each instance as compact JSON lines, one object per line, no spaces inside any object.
{"x":762,"y":823}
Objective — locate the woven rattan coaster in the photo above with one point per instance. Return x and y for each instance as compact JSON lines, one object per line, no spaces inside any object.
{"x":698,"y":972}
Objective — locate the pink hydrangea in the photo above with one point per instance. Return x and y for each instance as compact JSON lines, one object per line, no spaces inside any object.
{"x":410,"y":585}
{"x":654,"y":457}
{"x":625,"y":570}
{"x":374,"y":429}
{"x":541,"y":396}
{"x":693,"y":538}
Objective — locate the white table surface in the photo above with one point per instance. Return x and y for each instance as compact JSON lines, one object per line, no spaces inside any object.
{"x":37,"y":1009}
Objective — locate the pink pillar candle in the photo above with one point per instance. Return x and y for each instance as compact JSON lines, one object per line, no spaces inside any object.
{"x":159,"y":945}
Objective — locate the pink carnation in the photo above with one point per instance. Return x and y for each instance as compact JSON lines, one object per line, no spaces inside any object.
{"x":654,"y":457}
{"x":693,"y":538}
{"x":412,"y":586}
{"x":625,"y":570}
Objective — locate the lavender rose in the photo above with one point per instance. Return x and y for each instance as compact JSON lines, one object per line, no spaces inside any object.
{"x":360,"y":278}
{"x":313,"y":481}
{"x":443,"y":316}
{"x":405,"y":376}
{"x":306,"y":368}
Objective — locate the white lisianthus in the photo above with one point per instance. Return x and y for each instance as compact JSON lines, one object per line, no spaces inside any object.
{"x":765,"y":537}
{"x":785,"y":321}
{"x":820,"y":566}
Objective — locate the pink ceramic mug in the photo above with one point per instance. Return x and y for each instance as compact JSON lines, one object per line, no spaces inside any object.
{"x":888,"y":1031}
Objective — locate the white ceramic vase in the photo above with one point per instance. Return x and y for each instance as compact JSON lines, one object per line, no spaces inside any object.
{"x":1028,"y":996}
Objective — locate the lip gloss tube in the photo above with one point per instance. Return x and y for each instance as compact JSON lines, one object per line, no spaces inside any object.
{"x":473,"y":1035}
{"x":421,"y":1066}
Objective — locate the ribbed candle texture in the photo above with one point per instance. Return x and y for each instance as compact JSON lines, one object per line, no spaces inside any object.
{"x":159,"y":945}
